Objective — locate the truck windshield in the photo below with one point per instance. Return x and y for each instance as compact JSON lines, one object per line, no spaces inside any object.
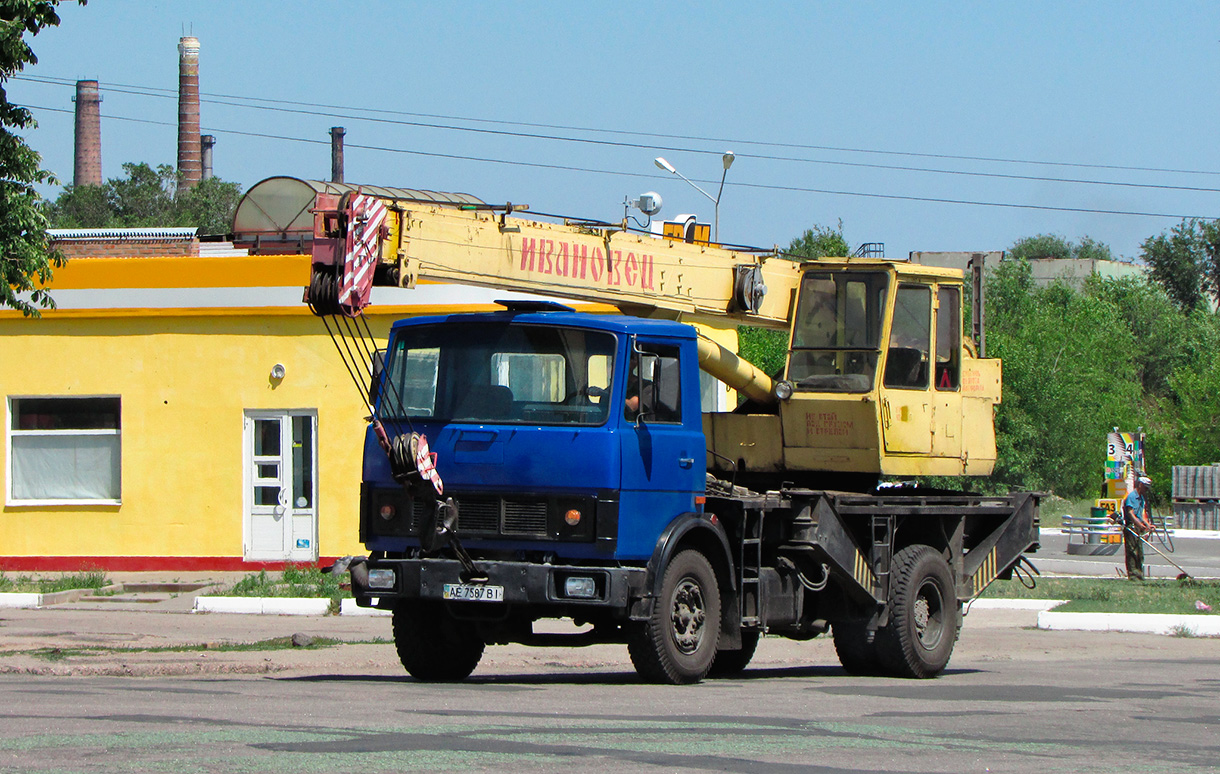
{"x":499,"y":372}
{"x":837,"y":334}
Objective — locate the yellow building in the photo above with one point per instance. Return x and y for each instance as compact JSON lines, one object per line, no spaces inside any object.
{"x":185,"y":412}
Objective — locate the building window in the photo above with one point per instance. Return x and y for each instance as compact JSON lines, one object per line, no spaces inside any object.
{"x":64,"y":450}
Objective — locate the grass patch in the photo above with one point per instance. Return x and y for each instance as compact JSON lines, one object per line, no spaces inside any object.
{"x":29,"y":584}
{"x":1116,"y":595}
{"x":304,"y":581}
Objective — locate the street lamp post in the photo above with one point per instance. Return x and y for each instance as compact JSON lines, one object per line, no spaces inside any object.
{"x":727,"y":159}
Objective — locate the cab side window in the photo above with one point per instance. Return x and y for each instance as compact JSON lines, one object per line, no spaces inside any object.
{"x":906,"y":362}
{"x":948,"y":338}
{"x":654,"y":391}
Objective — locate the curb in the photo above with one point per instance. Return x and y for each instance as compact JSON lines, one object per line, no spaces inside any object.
{"x":262,"y":605}
{"x":281,"y":606}
{"x":20,"y":599}
{"x":1138,"y":623}
{"x":15,"y":599}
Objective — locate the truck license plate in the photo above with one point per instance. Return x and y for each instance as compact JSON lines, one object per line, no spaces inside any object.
{"x":473,"y":592}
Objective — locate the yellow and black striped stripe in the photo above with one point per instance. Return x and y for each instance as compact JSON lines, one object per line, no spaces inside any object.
{"x":863,"y":573}
{"x":986,"y":573}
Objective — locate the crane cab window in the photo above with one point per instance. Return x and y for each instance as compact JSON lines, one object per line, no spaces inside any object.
{"x":837,"y":331}
{"x":906,"y":360}
{"x":948,"y":338}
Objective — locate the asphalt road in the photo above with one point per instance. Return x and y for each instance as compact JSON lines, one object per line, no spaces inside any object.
{"x":100,"y":686}
{"x":1014,"y":699}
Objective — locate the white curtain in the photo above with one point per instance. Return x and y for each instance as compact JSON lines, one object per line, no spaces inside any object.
{"x":65,"y":467}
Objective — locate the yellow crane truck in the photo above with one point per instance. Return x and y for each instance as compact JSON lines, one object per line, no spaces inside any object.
{"x":536,"y":462}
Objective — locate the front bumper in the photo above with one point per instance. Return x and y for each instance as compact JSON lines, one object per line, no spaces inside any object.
{"x":524,"y":583}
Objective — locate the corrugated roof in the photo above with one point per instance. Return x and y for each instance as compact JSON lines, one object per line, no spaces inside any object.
{"x":220,"y":249}
{"x":121,"y":234}
{"x":281,"y":208}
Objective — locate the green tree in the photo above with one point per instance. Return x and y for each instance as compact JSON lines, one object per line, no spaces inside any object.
{"x":1165,"y":337}
{"x":81,"y":206}
{"x":1040,"y":246}
{"x":1186,"y":261}
{"x":26,"y":258}
{"x":820,"y":242}
{"x":1065,"y":355}
{"x":1198,"y":393}
{"x":147,"y":197}
{"x":209,"y":206}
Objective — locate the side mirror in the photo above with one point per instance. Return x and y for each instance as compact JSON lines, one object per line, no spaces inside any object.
{"x":377,"y":375}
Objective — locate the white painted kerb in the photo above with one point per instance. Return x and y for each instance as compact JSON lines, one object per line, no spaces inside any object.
{"x":262,"y":605}
{"x":1140,"y":623}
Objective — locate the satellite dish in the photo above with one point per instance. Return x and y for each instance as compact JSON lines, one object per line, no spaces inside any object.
{"x":649,"y":203}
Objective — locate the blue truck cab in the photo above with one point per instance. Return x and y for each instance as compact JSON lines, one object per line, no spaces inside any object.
{"x":572,"y":462}
{"x":536,"y":424}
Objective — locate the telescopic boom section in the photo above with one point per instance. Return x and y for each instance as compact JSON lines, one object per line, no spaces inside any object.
{"x":362,"y":240}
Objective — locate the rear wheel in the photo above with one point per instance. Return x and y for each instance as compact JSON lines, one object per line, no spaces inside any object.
{"x":924,"y":614}
{"x":678,"y":642}
{"x":857,"y":655}
{"x":734,"y":662}
{"x":432,"y":645}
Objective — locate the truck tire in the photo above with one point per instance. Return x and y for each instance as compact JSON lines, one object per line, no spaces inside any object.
{"x":733,"y":662}
{"x":677,"y":643}
{"x":432,"y":645}
{"x":857,"y":655}
{"x":924,"y":614}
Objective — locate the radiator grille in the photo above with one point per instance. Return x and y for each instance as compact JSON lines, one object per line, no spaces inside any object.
{"x":491,"y":515}
{"x":478,"y":514}
{"x":524,"y":517}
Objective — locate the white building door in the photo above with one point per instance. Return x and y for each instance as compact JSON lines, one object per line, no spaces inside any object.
{"x":281,"y":522}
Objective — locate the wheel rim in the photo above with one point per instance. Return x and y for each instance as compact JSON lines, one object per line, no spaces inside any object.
{"x":688,"y":616}
{"x":929,"y":615}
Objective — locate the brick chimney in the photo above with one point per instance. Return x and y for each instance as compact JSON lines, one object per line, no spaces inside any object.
{"x":336,"y":153}
{"x":206,"y":143}
{"x":190,"y":167}
{"x":88,"y":166}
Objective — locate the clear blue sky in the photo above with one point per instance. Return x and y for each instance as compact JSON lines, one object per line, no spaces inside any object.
{"x":802,"y":92}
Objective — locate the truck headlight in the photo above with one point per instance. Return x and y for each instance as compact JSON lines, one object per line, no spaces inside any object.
{"x":580,"y":587}
{"x":381,"y":579}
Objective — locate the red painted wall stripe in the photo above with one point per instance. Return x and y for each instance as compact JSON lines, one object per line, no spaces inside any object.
{"x":146,"y":564}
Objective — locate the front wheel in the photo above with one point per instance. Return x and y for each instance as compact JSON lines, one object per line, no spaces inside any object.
{"x":678,"y":641}
{"x":924,"y":614}
{"x":432,"y":645}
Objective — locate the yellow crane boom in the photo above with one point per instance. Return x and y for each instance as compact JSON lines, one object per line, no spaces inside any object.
{"x":879,"y":378}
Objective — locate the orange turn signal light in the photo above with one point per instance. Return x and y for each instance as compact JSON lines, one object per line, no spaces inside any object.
{"x":572,"y":517}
